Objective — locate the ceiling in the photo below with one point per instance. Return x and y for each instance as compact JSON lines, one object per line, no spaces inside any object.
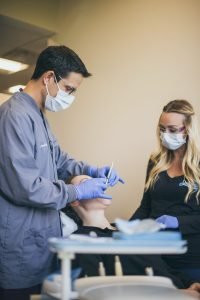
{"x":21,"y":42}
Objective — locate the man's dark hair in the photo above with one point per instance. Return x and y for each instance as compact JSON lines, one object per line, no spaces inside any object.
{"x":60,"y":59}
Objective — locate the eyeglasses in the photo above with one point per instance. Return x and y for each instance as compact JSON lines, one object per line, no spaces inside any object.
{"x":171,"y":129}
{"x":69,"y":89}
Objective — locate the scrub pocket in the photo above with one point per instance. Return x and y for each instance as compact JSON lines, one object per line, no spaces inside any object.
{"x":36,"y":257}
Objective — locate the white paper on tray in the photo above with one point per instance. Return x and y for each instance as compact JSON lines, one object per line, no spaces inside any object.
{"x":138,"y":226}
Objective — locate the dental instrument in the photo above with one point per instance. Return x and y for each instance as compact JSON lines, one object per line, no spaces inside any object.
{"x":118,"y":266}
{"x":102,"y":271}
{"x":109,"y":173}
{"x":149,"y":271}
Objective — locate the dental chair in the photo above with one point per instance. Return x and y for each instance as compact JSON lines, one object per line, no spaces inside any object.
{"x":130,"y":291}
{"x":82,"y":284}
{"x":119,"y":288}
{"x":129,"y":288}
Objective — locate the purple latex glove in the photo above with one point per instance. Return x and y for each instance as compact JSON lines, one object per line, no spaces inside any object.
{"x":103,"y":173}
{"x":91,"y":189}
{"x":168,"y":221}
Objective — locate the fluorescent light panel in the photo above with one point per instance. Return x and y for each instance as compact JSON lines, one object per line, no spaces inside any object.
{"x":15,"y":88}
{"x":11,"y":66}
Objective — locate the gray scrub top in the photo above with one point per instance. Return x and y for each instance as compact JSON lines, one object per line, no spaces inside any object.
{"x":32,"y":191}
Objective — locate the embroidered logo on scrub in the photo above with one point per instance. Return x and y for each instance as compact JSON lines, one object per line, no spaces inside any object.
{"x":43,"y":145}
{"x":184,"y":183}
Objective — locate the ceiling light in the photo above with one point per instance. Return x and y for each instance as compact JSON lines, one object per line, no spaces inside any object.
{"x":15,"y":88}
{"x":10,"y":66}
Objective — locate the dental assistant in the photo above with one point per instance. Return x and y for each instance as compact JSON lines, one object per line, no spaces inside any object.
{"x":34,"y":170}
{"x":172,"y":189}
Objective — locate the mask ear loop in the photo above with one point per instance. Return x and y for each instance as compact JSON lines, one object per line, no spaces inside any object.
{"x":57,"y":82}
{"x":46,"y":87}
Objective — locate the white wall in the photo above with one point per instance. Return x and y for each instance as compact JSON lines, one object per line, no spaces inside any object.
{"x":142,"y":53}
{"x":42,"y":13}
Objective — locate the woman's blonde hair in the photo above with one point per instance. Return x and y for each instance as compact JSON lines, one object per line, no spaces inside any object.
{"x":163,"y":157}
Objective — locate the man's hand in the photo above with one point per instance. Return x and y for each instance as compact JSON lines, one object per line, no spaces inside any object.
{"x":103,"y":173}
{"x":91,"y":189}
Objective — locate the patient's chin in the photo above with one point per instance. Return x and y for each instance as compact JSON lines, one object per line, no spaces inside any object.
{"x":105,"y":202}
{"x":94,"y":204}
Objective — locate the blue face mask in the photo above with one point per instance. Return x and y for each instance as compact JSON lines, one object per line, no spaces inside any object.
{"x":61,"y":101}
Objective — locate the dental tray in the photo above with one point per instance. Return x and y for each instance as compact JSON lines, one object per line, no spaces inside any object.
{"x":150,"y":236}
{"x":119,"y":241}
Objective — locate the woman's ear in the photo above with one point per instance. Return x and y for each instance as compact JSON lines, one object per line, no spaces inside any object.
{"x":75,"y":203}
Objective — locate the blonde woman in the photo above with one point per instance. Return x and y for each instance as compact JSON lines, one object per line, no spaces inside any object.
{"x":172,"y":193}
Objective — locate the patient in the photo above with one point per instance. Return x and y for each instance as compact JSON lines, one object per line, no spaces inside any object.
{"x":90,"y":217}
{"x":91,"y":212}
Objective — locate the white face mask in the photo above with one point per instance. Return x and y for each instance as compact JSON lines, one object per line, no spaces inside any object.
{"x":60,"y":102}
{"x":172,"y":141}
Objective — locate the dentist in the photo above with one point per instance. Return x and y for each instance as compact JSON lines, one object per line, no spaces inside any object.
{"x":34,"y":170}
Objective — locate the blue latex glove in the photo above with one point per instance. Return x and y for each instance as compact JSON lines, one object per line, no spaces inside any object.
{"x":91,"y":189}
{"x":103,"y":173}
{"x":168,"y":221}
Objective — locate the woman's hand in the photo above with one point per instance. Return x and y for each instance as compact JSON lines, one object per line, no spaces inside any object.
{"x":168,"y":221}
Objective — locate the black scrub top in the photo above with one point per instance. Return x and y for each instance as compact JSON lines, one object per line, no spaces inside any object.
{"x":167,"y":197}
